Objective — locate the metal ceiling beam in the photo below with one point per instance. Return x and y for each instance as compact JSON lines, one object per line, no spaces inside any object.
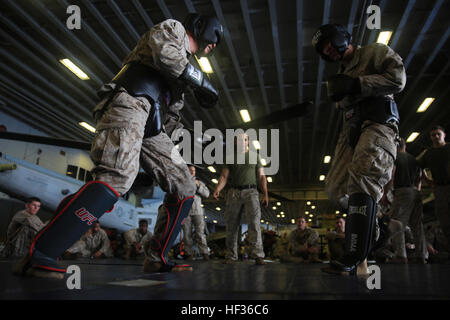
{"x":162,"y":5}
{"x":254,"y":50}
{"x":362,"y":23}
{"x":53,"y":40}
{"x":230,"y":100}
{"x":110,"y":30}
{"x":36,"y":61}
{"x":326,"y":15}
{"x":299,"y":17}
{"x":276,"y":45}
{"x":25,"y":109}
{"x":100,"y":43}
{"x":287,"y":174}
{"x":118,"y":12}
{"x":424,"y":29}
{"x":428,"y":117}
{"x":39,"y":48}
{"x":402,"y":23}
{"x":80,"y":114}
{"x":234,"y":59}
{"x":140,"y":9}
{"x":28,"y":119}
{"x":431,"y":57}
{"x":64,"y":121}
{"x":190,"y":6}
{"x":74,"y":40}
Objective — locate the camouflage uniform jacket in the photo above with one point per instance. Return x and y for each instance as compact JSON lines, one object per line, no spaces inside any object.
{"x":166,"y":48}
{"x":202,"y":192}
{"x":133,"y":235}
{"x":308,"y":236}
{"x":380,"y":71}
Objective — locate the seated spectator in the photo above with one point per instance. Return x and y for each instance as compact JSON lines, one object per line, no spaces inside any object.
{"x":136,"y":239}
{"x":117,"y":243}
{"x":22,"y":229}
{"x":437,"y":244}
{"x":94,"y":244}
{"x":281,"y":246}
{"x":303,"y":245}
{"x":336,"y":240}
{"x":269,"y":241}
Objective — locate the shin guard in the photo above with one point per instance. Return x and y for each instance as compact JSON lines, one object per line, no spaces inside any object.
{"x":359,"y":231}
{"x":176,"y":210}
{"x":74,"y":216}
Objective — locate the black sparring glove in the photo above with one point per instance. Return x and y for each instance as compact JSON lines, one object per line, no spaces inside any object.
{"x":204,"y":91}
{"x":340,"y":85}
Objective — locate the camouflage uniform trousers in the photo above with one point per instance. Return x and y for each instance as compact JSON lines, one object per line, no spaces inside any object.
{"x":408,"y":210}
{"x":198,"y":221}
{"x":119,"y":148}
{"x":368,"y":167}
{"x":246,"y":200}
{"x":442,"y":208}
{"x":20,"y":243}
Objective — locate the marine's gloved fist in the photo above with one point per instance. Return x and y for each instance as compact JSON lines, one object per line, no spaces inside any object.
{"x":204,"y":91}
{"x":206,"y":98}
{"x":340,"y":85}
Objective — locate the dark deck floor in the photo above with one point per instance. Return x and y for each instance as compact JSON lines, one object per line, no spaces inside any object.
{"x":212,"y":280}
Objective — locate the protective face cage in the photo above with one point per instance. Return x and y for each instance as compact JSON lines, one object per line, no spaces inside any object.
{"x":338,"y":36}
{"x":205,"y":29}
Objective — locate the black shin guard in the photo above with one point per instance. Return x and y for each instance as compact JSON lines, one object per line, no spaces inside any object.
{"x":177,"y":210}
{"x":359,"y":231}
{"x":74,"y":216}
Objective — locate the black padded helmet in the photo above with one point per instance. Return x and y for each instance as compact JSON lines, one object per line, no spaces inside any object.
{"x":205,"y":29}
{"x":337,"y":34}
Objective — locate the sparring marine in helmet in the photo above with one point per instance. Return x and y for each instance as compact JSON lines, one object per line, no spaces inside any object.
{"x":206,"y":31}
{"x":331,"y":41}
{"x":363,"y":88}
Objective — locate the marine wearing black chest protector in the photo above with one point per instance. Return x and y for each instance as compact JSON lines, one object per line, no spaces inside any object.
{"x":363,"y":90}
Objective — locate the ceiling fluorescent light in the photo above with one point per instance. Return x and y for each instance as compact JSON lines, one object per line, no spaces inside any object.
{"x":326,"y":159}
{"x":384,"y":37}
{"x":72,"y":67}
{"x":245,"y":115}
{"x":205,"y":65}
{"x":425,"y":104}
{"x":87,"y":126}
{"x":412,"y":137}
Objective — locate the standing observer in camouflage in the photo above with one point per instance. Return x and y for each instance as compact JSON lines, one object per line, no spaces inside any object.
{"x":196,"y":219}
{"x":363,"y":89}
